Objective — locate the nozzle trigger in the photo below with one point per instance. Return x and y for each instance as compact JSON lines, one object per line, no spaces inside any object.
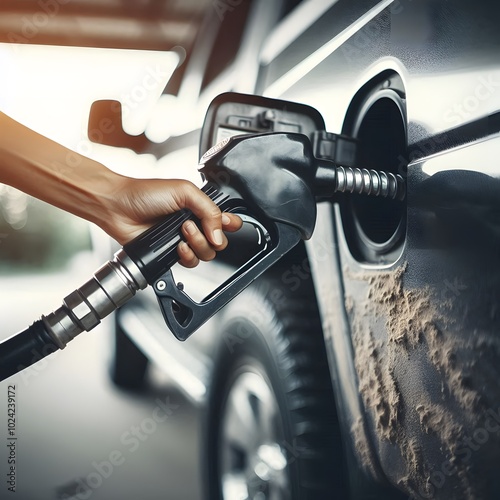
{"x":183,"y":315}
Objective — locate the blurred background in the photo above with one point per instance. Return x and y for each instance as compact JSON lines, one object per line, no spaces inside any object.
{"x":57,"y":58}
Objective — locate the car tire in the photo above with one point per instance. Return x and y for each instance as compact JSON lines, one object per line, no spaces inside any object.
{"x":272,"y":366}
{"x":129,"y":364}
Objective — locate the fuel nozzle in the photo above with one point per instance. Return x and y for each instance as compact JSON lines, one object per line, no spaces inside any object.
{"x":292,"y":154}
{"x":272,"y":181}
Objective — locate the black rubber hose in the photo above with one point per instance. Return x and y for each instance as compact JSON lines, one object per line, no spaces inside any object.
{"x":24,"y":349}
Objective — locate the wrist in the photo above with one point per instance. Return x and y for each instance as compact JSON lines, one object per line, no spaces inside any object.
{"x":100,"y":188}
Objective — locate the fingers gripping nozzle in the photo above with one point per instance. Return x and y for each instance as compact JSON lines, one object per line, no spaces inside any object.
{"x":139,"y":263}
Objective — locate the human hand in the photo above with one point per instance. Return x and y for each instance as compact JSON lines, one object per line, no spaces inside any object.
{"x":140,"y":203}
{"x":124,"y":207}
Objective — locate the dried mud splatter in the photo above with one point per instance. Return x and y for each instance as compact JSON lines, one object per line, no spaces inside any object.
{"x":415,"y":465}
{"x":412,"y":319}
{"x":377,"y":384}
{"x":436,"y":419}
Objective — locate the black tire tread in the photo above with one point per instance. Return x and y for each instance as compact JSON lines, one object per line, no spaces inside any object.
{"x":295,"y":334}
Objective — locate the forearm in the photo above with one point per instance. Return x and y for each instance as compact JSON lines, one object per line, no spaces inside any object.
{"x":48,"y":171}
{"x":122,"y":206}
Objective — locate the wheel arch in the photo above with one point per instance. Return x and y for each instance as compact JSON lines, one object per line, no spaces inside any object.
{"x":226,"y":346}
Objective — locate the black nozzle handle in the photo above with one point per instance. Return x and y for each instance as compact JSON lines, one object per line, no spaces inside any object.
{"x":184,"y":316}
{"x":155,"y":251}
{"x":24,"y":349}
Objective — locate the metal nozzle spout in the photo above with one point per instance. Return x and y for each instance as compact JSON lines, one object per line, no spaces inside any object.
{"x":332,"y":179}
